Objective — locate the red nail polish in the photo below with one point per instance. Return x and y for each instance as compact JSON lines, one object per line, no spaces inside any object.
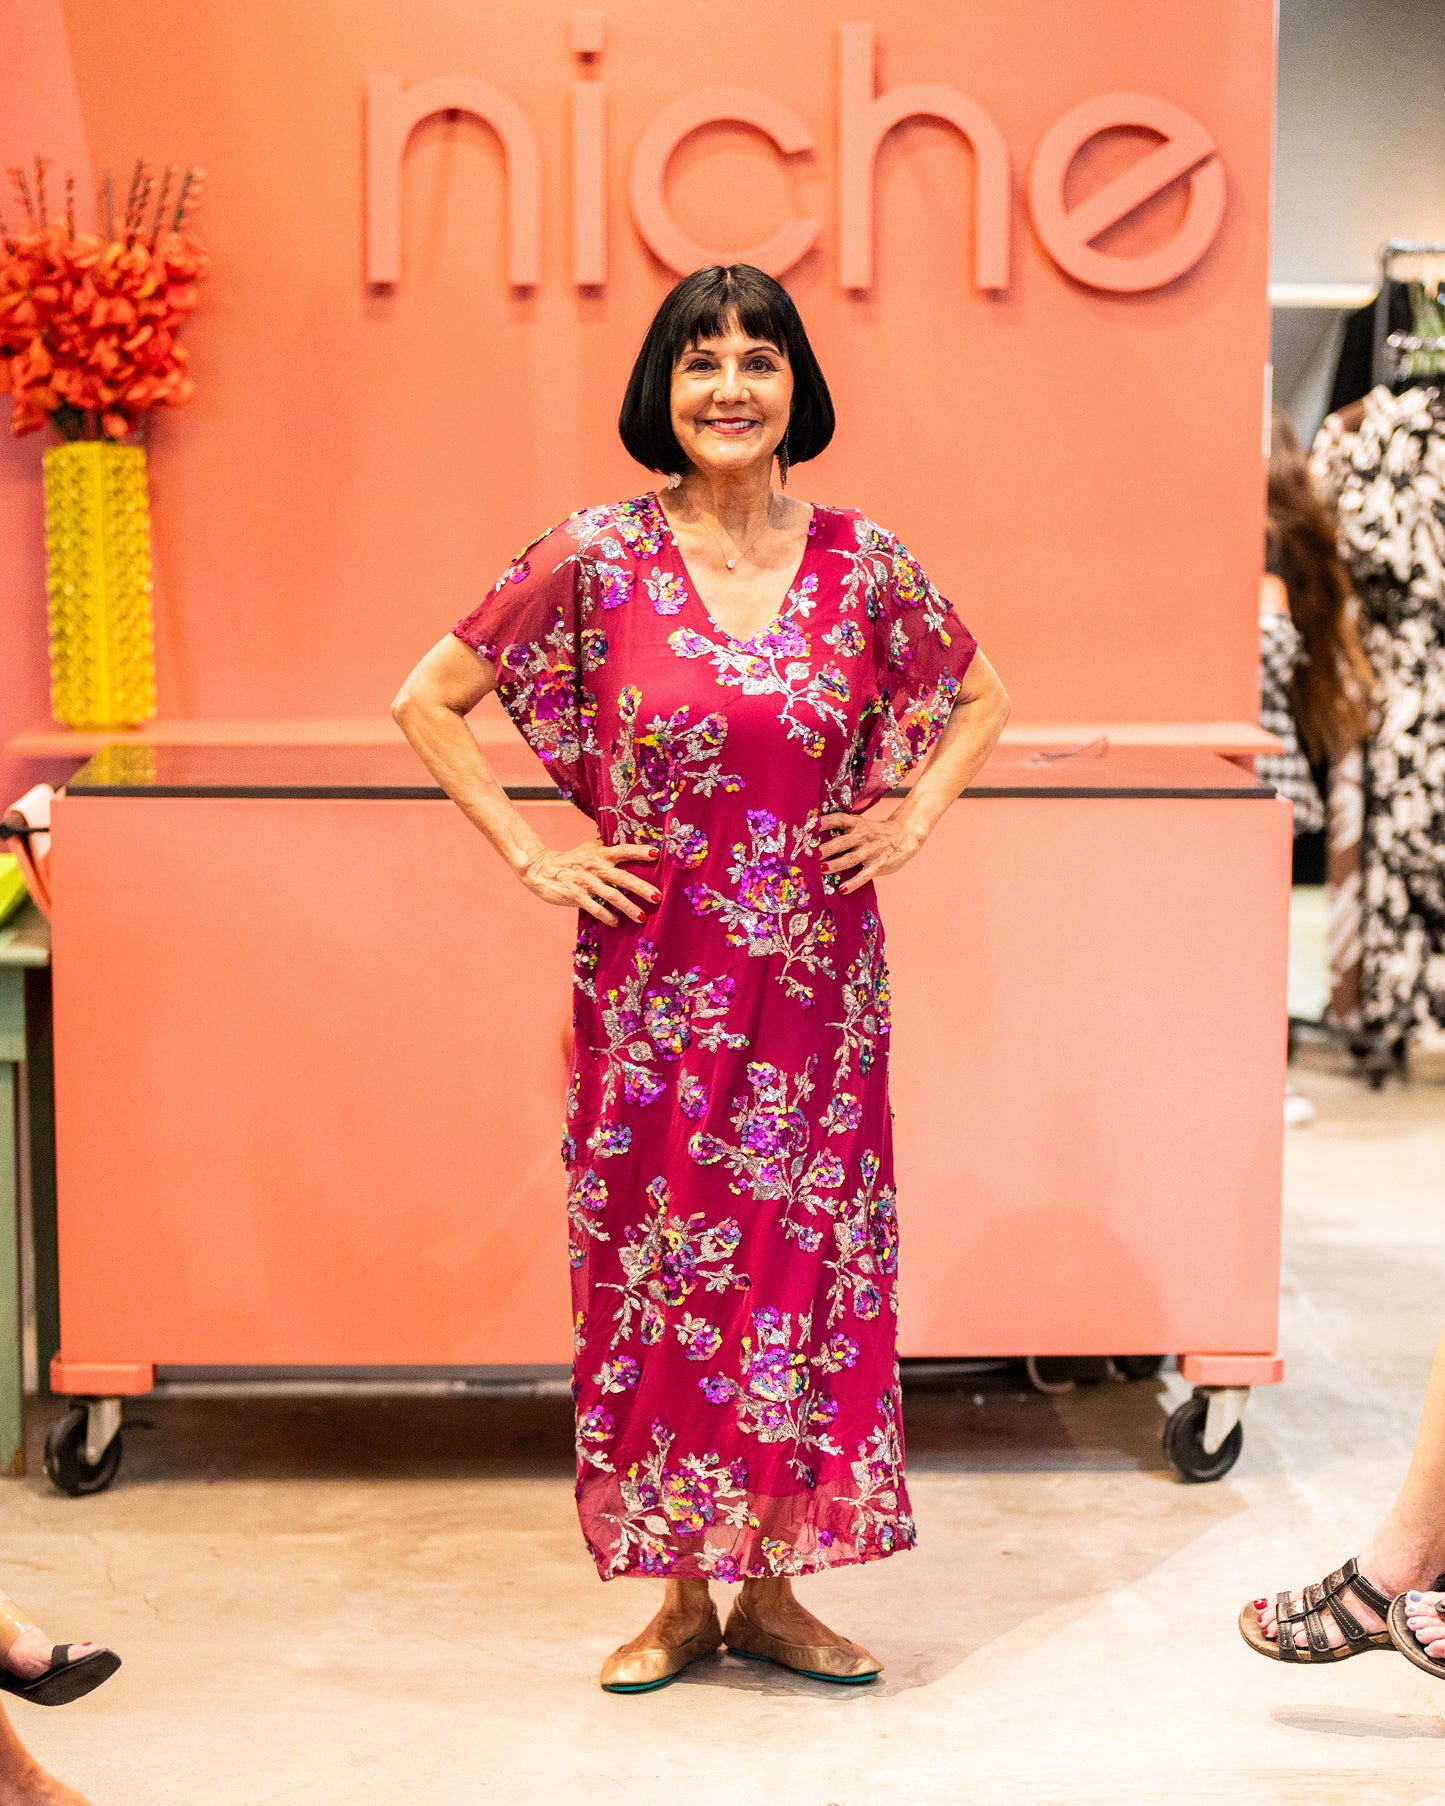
{"x":1260,"y":1604}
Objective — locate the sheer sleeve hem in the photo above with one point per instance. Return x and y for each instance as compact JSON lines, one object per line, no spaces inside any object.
{"x":922,"y":652}
{"x":531,"y":628}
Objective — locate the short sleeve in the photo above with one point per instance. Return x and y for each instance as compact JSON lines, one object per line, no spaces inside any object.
{"x":922,"y":651}
{"x":532,"y":628}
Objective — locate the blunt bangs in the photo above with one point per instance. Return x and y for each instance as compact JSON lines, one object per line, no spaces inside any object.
{"x":701,"y":307}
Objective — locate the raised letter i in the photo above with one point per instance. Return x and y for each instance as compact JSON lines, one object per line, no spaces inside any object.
{"x":589,"y":159}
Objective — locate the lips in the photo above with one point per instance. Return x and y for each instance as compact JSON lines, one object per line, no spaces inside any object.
{"x":735,"y":426}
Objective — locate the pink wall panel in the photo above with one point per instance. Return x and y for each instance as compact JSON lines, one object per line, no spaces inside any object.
{"x":1080,"y":469}
{"x":1088,"y":1065}
{"x":248,"y":1177}
{"x":1088,"y":1059}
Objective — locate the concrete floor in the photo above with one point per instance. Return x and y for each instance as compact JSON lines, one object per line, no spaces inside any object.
{"x":325,"y":1603}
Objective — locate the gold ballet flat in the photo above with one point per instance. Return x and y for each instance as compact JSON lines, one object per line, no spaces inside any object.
{"x":848,"y":1665}
{"x":640,"y":1670}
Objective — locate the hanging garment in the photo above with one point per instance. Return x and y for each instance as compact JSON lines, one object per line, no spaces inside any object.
{"x":1386,"y":477}
{"x":728,"y":1146}
{"x":1344,"y":904}
{"x":1355,"y":369}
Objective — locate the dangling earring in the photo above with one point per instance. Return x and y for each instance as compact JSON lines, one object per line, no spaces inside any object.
{"x":783,"y":461}
{"x":674,"y":481}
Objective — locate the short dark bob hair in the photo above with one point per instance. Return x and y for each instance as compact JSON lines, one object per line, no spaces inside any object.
{"x":700,"y":307}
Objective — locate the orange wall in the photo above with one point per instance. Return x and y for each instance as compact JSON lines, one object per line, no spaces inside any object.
{"x":39,"y":110}
{"x":1080,"y":470}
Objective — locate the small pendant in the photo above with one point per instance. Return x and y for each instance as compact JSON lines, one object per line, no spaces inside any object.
{"x":730,"y":562}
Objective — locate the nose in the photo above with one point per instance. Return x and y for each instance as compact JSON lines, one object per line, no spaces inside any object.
{"x":730,"y":386}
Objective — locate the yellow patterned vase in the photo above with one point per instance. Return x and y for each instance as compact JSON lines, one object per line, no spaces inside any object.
{"x":98,"y":581}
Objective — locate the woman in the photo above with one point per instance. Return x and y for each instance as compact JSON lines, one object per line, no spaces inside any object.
{"x":1315,"y":692}
{"x":46,"y":1674}
{"x":1324,"y":681}
{"x":725,"y":679}
{"x":1393,"y":1593}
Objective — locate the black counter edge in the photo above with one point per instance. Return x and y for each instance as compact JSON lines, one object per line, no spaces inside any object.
{"x":547,"y":793}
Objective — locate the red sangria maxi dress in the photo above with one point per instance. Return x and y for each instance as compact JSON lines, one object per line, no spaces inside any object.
{"x":733,"y":1235}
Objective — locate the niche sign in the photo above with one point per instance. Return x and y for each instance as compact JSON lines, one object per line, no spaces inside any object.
{"x":864,"y":118}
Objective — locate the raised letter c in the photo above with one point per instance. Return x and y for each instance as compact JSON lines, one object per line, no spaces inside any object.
{"x":708,"y":106}
{"x":1068,"y":234}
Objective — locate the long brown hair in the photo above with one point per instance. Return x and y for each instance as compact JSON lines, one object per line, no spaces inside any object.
{"x":1333,"y":685}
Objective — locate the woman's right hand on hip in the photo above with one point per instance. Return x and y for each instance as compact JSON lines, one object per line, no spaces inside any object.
{"x":592,"y":877}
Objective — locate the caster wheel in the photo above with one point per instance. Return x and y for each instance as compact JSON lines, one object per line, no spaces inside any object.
{"x":1139,"y":1367}
{"x":1184,"y":1445}
{"x":65,"y":1460}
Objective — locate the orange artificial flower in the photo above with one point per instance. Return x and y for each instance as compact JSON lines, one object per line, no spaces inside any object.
{"x":88,"y":325}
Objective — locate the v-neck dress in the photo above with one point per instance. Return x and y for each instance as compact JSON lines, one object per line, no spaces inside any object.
{"x":728,"y":1147}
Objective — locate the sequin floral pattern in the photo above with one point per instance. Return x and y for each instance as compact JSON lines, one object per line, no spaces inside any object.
{"x":732,"y":1224}
{"x":768,"y":910}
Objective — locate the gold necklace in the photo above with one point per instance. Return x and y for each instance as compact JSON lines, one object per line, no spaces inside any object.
{"x":730,"y":562}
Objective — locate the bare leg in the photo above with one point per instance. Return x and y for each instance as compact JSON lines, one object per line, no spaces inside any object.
{"x":772,"y":1606}
{"x":22,"y":1780}
{"x":686,"y":1608}
{"x":1407,"y":1552}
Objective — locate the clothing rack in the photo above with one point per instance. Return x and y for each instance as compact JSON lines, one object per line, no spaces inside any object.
{"x":1395,"y":251}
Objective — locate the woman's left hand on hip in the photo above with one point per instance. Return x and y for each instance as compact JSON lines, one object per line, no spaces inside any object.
{"x":867,"y":847}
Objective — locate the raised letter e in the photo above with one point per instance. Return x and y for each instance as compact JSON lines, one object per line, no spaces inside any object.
{"x":1068,"y":235}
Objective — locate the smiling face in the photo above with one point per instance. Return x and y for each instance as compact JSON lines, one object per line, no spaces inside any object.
{"x":731,"y":398}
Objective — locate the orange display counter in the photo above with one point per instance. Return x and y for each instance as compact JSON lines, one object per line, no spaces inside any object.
{"x":310,"y":1042}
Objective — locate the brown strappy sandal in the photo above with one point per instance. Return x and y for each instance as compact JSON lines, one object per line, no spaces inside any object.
{"x":1307,"y":1608}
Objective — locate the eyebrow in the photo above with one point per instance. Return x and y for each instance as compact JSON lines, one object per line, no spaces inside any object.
{"x":754,"y":345}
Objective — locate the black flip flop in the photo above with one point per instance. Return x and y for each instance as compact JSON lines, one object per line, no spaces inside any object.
{"x":65,"y":1679}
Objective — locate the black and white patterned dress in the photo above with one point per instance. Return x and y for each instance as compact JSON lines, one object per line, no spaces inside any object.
{"x":1281,"y":649}
{"x":1387,"y":481}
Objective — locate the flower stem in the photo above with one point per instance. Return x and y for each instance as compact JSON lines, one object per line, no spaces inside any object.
{"x":178,"y":218}
{"x":161,"y":199}
{"x":22,"y":188}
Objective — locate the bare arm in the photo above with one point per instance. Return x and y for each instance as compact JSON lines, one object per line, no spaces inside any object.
{"x":877,"y":843}
{"x":1273,"y":596}
{"x":431,"y":710}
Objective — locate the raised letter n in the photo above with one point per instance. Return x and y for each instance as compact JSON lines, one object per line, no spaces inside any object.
{"x":865,"y":119}
{"x":392,"y":116}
